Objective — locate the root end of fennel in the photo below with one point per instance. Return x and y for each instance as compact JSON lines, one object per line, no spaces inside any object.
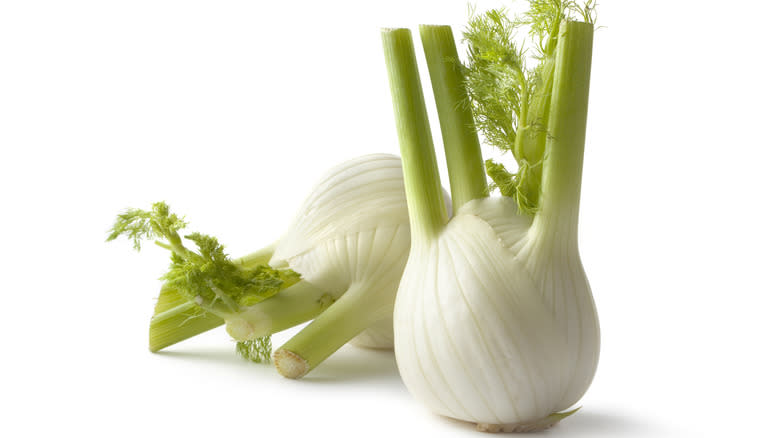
{"x":527,"y":427}
{"x":290,"y":365}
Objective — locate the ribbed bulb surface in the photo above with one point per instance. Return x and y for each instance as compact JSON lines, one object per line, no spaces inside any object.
{"x":494,"y":321}
{"x":353,"y":228}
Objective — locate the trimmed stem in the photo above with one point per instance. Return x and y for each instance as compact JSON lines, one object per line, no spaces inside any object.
{"x":427,"y":212}
{"x":562,"y":175}
{"x":344,"y":320}
{"x":179,"y":323}
{"x":461,"y":143}
{"x":297,"y":304}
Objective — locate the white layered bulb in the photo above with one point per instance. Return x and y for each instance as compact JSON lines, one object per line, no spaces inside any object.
{"x":494,"y":319}
{"x":351,"y":234}
{"x":349,"y":242}
{"x":495,"y":322}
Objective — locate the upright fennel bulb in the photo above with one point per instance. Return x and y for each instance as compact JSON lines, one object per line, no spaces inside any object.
{"x":494,"y":318}
{"x":339,"y":263}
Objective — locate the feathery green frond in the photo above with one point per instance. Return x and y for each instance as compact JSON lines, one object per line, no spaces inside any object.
{"x":207,"y":276}
{"x":140,"y":225}
{"x":510,"y":87}
{"x":257,"y":350}
{"x":496,"y":77}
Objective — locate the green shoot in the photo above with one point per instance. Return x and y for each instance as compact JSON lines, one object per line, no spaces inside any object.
{"x":138,"y":225}
{"x":510,"y":87}
{"x":201,"y":287}
{"x":206,"y":276}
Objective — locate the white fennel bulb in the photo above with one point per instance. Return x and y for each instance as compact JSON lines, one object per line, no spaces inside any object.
{"x":495,"y":323}
{"x":338,"y":264}
{"x":349,"y":242}
{"x":351,"y":234}
{"x":494,"y":319}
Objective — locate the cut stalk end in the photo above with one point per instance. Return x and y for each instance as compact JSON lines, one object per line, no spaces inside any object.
{"x":289,"y":364}
{"x":354,"y":312}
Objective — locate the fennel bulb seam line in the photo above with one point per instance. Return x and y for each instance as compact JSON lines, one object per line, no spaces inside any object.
{"x":481,"y":335}
{"x":418,"y":309}
{"x":435,"y":361}
{"x":518,"y":344}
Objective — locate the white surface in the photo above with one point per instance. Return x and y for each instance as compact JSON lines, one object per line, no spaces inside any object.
{"x":229,"y":110}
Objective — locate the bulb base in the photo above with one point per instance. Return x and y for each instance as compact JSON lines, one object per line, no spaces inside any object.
{"x":526,"y":427}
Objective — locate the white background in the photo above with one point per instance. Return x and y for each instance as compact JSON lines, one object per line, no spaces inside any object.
{"x":230,"y":110}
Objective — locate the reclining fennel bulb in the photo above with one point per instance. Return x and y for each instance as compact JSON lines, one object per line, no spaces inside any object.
{"x":339,"y":263}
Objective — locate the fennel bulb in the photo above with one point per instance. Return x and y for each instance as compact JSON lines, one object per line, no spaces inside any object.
{"x":351,"y":236}
{"x":339,"y":263}
{"x":494,"y":319}
{"x":494,"y":322}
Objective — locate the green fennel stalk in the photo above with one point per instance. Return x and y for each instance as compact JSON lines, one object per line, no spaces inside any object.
{"x":464,"y":158}
{"x":427,"y":212}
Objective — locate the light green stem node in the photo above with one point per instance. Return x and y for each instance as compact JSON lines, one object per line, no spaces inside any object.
{"x":562,"y":174}
{"x":427,"y":212}
{"x":295,"y":305}
{"x":461,"y":143}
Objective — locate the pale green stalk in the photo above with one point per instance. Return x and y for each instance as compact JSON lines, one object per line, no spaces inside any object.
{"x":461,"y":143}
{"x":355,"y":311}
{"x":427,"y":212}
{"x":292,"y":306}
{"x":179,"y":323}
{"x":562,"y":175}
